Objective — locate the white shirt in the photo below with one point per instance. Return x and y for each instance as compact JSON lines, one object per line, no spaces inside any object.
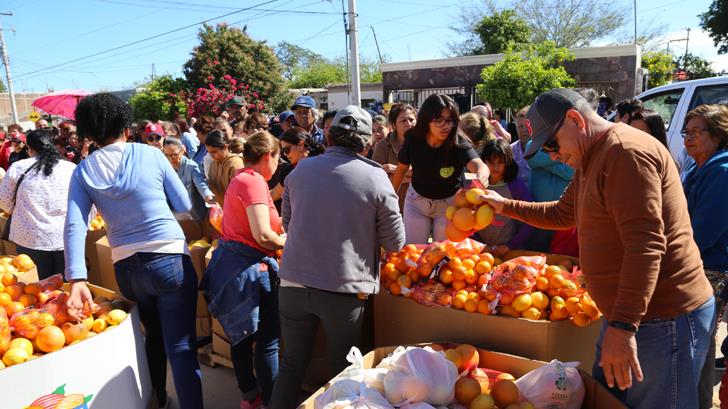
{"x":40,"y":211}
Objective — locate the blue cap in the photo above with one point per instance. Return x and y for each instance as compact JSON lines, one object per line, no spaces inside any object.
{"x":304,"y":101}
{"x":283,"y":116}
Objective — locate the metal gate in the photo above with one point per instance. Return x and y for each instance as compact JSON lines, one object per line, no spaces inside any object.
{"x":463,"y":96}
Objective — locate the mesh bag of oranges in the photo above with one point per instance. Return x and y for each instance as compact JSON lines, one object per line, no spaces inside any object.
{"x":468,"y":214}
{"x":216,"y":217}
{"x":517,"y":276}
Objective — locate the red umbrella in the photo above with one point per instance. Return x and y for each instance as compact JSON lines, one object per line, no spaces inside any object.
{"x":61,"y":103}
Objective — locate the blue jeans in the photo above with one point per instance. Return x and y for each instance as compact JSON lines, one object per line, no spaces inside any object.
{"x":671,"y":354}
{"x":266,"y":350}
{"x":164,"y":286}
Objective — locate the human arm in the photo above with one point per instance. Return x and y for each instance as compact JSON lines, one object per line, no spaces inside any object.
{"x":558,"y":215}
{"x":277,"y":192}
{"x":259,"y":219}
{"x":520,"y":192}
{"x":189,"y":144}
{"x":477,"y":166}
{"x":74,"y":231}
{"x":201,"y":184}
{"x":7,"y":190}
{"x":390,"y":228}
{"x":174,"y":189}
{"x":500,"y":131}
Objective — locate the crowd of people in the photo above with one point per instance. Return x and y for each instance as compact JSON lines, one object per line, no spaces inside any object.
{"x":331,"y":189}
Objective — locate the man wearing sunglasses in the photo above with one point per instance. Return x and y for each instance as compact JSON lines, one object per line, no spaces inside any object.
{"x":637,"y":254}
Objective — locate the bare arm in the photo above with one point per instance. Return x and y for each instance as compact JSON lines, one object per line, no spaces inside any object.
{"x":259,"y":219}
{"x":480,"y":169}
{"x":277,"y":192}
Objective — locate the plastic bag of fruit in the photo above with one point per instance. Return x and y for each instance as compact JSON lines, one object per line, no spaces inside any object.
{"x":420,"y":375}
{"x":54,"y":282}
{"x":28,"y":322}
{"x":554,"y":385}
{"x":431,"y":293}
{"x":350,"y":394}
{"x":431,"y":256}
{"x":58,"y":309}
{"x":463,"y":249}
{"x":517,"y":276}
{"x":216,"y":217}
{"x":4,"y":331}
{"x":371,"y":377}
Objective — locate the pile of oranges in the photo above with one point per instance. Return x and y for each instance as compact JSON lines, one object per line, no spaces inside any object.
{"x":468,"y":214}
{"x":555,"y":296}
{"x":33,"y":319}
{"x":97,"y":223}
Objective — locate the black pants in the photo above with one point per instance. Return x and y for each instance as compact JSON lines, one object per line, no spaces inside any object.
{"x":301,"y":310}
{"x":48,"y":263}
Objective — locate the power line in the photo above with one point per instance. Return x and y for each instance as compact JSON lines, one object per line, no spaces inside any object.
{"x":146,"y":39}
{"x":200,"y":7}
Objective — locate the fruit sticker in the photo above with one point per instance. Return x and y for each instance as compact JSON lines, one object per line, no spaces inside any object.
{"x":59,"y":400}
{"x":447,"y":172}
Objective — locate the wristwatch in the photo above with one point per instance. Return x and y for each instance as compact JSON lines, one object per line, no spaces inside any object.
{"x":623,"y":326}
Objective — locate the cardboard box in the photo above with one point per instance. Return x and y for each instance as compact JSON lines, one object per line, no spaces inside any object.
{"x":202,"y":311}
{"x":107,"y":276}
{"x":221,"y":346}
{"x":596,"y":396}
{"x":93,"y":263}
{"x":197,"y":255}
{"x":203,"y":327}
{"x":30,"y":276}
{"x":110,"y":368}
{"x":191,"y":229}
{"x":402,"y":321}
{"x":9,"y":248}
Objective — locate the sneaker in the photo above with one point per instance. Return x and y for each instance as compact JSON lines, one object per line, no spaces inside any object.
{"x":244,"y":404}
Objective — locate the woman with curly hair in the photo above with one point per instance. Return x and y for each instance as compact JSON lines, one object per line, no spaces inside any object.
{"x":151,"y":261}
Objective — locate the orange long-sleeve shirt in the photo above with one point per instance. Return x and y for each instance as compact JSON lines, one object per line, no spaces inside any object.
{"x":636,"y":243}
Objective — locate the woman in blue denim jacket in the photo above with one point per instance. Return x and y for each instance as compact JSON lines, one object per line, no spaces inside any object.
{"x":241,"y":281}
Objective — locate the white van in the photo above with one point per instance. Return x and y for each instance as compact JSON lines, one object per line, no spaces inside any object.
{"x":674,"y":101}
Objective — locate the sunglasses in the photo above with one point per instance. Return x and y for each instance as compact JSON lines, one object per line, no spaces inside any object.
{"x":551,"y":146}
{"x":154,"y":138}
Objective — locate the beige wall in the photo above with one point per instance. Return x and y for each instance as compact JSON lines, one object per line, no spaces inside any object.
{"x":23,"y":101}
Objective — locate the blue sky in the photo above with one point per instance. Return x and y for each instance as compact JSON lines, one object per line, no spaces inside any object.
{"x":51,"y":32}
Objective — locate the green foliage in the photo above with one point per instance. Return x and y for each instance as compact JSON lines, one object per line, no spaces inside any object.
{"x":226,"y":50}
{"x":501,"y":31}
{"x":660,"y":67}
{"x":294,"y":57}
{"x":695,"y":67}
{"x":715,"y":22}
{"x":161,"y":99}
{"x":2,"y":87}
{"x":322,"y":73}
{"x":523,"y":74}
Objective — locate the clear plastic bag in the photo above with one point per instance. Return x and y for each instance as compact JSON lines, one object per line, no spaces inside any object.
{"x":556,"y":385}
{"x":432,"y":293}
{"x":4,"y":331}
{"x":464,"y":248}
{"x":216,"y":217}
{"x":420,"y":375}
{"x":371,"y":377}
{"x":433,"y":254}
{"x":517,"y":276}
{"x":350,"y":394}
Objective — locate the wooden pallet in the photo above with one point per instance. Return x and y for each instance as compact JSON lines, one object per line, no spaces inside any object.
{"x":208,"y":357}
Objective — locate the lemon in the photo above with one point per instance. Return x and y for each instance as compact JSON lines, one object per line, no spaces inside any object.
{"x":99,"y":325}
{"x":115,"y":317}
{"x":22,"y":343}
{"x":522,"y":302}
{"x":15,"y":356}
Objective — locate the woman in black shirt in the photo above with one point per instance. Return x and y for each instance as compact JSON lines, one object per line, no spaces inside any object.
{"x":439,"y":156}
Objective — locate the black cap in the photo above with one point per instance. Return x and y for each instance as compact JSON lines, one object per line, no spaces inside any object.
{"x":546,"y":112}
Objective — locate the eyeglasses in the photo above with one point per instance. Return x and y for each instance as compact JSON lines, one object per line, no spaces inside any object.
{"x":173,"y":155}
{"x":154,"y":138}
{"x":692,"y":132}
{"x":551,"y":146}
{"x":286,"y":149}
{"x":443,"y":123}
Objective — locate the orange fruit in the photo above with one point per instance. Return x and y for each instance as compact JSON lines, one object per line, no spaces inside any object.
{"x":450,"y":212}
{"x":15,"y":290}
{"x":33,"y":288}
{"x":454,"y":234}
{"x":487,"y":257}
{"x":404,"y":281}
{"x":551,"y":270}
{"x":459,"y":301}
{"x":569,"y":289}
{"x":390,"y":270}
{"x":464,"y":219}
{"x":482,"y":280}
{"x":14,"y":307}
{"x":532,"y":313}
{"x":458,"y":273}
{"x":458,"y":284}
{"x":471,"y":277}
{"x":573,"y":305}
{"x":454,"y":262}
{"x":539,"y":300}
{"x":484,"y":307}
{"x":5,"y":299}
{"x":483,"y":217}
{"x":74,"y":332}
{"x":23,"y":262}
{"x":23,"y":343}
{"x":28,"y":299}
{"x":460,"y":200}
{"x":580,"y":319}
{"x":472,"y":295}
{"x":469,"y":264}
{"x":471,"y":305}
{"x":50,"y":339}
{"x":590,"y":307}
{"x":446,"y":275}
{"x":505,"y":392}
{"x":522,"y":302}
{"x":394,"y":289}
{"x":510,"y":311}
{"x":410,"y":249}
{"x":483,"y":267}
{"x":558,"y":312}
{"x":9,"y":279}
{"x":474,"y":196}
{"x":475,"y":258}
{"x":414,"y":275}
{"x":557,"y":281}
{"x":15,"y":356}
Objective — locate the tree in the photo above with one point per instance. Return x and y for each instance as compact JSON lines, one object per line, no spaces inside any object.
{"x":226,"y":50}
{"x":160,"y":99}
{"x":294,"y":57}
{"x":660,"y":66}
{"x":715,"y":22}
{"x":694,"y":66}
{"x":323,"y":73}
{"x":523,"y":74}
{"x":501,"y":31}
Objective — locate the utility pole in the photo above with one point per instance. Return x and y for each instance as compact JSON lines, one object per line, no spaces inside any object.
{"x":6,"y":62}
{"x":687,"y":41}
{"x":635,"y":21}
{"x":355,"y":98}
{"x":153,"y":72}
{"x":381,"y":61}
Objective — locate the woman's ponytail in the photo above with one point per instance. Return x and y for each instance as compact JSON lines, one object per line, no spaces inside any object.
{"x":41,"y":141}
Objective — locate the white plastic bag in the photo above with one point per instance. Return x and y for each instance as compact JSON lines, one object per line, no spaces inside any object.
{"x":386,"y":363}
{"x":420,"y":375}
{"x":556,"y":385}
{"x":417,"y":405}
{"x":350,"y":394}
{"x":371,"y":377}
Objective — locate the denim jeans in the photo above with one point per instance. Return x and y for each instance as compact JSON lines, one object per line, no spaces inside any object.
{"x":301,"y":311}
{"x":671,"y":354}
{"x":423,"y":216}
{"x":164,"y":286}
{"x":48,"y":263}
{"x":266,"y":350}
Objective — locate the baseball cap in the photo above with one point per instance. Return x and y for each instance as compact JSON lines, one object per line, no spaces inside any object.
{"x":283,"y":116}
{"x":238,"y":100}
{"x":21,"y":137}
{"x":154,"y":129}
{"x":545,"y":114}
{"x":353,"y":118}
{"x":304,"y":101}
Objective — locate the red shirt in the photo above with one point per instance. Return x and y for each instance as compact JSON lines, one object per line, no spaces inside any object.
{"x":247,"y":188}
{"x":5,"y":150}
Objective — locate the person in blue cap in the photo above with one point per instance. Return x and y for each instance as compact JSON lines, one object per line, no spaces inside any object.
{"x":304,"y":112}
{"x":286,"y":120}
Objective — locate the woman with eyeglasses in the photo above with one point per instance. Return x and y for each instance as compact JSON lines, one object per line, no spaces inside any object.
{"x":705,"y":140}
{"x":191,"y":177}
{"x":225,"y":163}
{"x":296,"y":144}
{"x":439,"y":156}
